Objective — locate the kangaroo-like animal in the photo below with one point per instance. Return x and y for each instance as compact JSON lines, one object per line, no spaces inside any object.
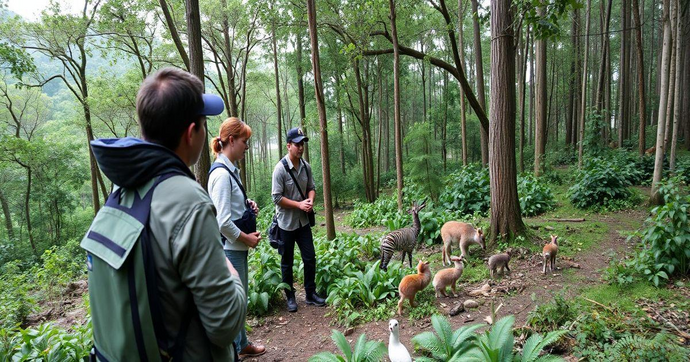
{"x":448,"y":277}
{"x":462,"y":233}
{"x":499,"y":261}
{"x":549,"y":254}
{"x":413,"y":283}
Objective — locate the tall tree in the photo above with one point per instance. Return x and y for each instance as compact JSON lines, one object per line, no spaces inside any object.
{"x":640,"y":78}
{"x":300,"y":91}
{"x":479,"y":68}
{"x":463,"y":105}
{"x":396,"y":104}
{"x":505,"y":207}
{"x":656,"y":198}
{"x":583,"y":92}
{"x":624,"y":75}
{"x":677,"y":85}
{"x":274,"y":48}
{"x":321,"y":106}
{"x":540,"y":102}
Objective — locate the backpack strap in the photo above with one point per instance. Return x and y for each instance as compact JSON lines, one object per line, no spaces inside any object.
{"x":217,"y":165}
{"x":287,"y":169}
{"x":141,"y":209}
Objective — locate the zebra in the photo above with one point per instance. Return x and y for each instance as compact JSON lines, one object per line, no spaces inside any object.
{"x":404,"y":239}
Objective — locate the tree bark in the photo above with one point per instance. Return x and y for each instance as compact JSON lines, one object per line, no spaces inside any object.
{"x":583,"y":97}
{"x":640,"y":79}
{"x":480,"y":77}
{"x":300,"y":92}
{"x":624,"y":74}
{"x":540,"y":99}
{"x":656,"y":197}
{"x":196,"y":67}
{"x":505,"y":207}
{"x":173,"y":33}
{"x":396,"y":105}
{"x":676,"y":93}
{"x":339,"y":110}
{"x":523,"y":90}
{"x":279,"y":107}
{"x":463,"y":105}
{"x":8,"y":216}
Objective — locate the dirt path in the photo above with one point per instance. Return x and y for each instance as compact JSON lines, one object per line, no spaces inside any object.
{"x":296,"y":337}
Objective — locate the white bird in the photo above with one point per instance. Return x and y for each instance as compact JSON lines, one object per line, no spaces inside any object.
{"x":396,"y":350}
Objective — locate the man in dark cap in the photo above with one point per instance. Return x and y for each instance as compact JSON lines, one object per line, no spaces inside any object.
{"x":293,"y":194}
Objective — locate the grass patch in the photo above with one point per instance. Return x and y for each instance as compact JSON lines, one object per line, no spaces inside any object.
{"x":626,"y":297}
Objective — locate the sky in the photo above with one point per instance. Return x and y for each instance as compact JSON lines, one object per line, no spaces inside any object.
{"x":31,"y":9}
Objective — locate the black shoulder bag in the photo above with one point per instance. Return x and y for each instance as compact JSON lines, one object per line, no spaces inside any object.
{"x":310,"y":214}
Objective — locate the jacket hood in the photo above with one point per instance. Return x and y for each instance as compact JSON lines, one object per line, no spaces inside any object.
{"x":131,"y":162}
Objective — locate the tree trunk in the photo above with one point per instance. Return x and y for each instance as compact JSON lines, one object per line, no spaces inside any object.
{"x":396,"y":105}
{"x":365,"y":122}
{"x":583,"y":92}
{"x":540,"y":99}
{"x":640,"y":79}
{"x":173,"y":33}
{"x":300,"y":92}
{"x":8,"y":216}
{"x":463,"y":105}
{"x":480,"y":77}
{"x":576,"y":82}
{"x":27,"y":198}
{"x":320,"y":104}
{"x":340,"y":124}
{"x":196,"y":67}
{"x":624,"y":75}
{"x":505,"y":207}
{"x":656,"y":198}
{"x":523,"y":90}
{"x":677,"y":85}
{"x":279,"y":107}
{"x":686,"y":83}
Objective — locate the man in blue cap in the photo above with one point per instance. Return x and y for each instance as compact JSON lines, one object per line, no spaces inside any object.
{"x":192,"y":297}
{"x":293,"y":193}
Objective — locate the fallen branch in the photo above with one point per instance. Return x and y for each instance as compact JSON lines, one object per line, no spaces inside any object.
{"x":599,"y":304}
{"x":567,"y":220}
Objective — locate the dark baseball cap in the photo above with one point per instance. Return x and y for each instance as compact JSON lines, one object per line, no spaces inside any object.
{"x":296,"y":135}
{"x":213,"y":105}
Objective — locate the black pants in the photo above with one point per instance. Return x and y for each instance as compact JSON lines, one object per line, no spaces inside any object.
{"x":305,"y":241}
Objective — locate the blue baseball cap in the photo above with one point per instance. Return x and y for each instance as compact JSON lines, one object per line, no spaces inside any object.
{"x":296,"y":135}
{"x":213,"y":105}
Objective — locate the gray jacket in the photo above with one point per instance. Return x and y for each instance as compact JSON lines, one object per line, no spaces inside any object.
{"x":284,"y":186}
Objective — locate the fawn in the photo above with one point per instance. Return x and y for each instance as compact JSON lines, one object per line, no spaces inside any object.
{"x":448,"y":277}
{"x":549,"y":254}
{"x":413,"y":283}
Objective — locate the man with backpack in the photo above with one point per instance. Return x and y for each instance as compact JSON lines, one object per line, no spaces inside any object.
{"x":160,"y":287}
{"x":293,"y":193}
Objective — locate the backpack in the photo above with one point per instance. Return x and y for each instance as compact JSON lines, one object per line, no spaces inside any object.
{"x":246,"y":223}
{"x":126,"y":311}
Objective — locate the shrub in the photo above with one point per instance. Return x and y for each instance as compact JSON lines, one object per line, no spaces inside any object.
{"x":598,"y":185}
{"x":552,"y":315}
{"x":45,"y":343}
{"x":666,"y":238}
{"x":444,"y":344}
{"x":467,"y":191}
{"x":370,"y":214}
{"x":15,"y":302}
{"x":61,"y":266}
{"x":659,"y":348}
{"x":535,"y":196}
{"x":265,"y":281}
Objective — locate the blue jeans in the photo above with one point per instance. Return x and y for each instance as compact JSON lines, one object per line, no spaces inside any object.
{"x":238,"y":258}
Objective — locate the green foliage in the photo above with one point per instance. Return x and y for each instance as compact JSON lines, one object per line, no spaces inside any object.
{"x":666,"y":238}
{"x":424,"y":165}
{"x":16,"y":59}
{"x":15,"y":300}
{"x":444,"y":344}
{"x":370,"y":214}
{"x":363,"y":351}
{"x":45,"y":343}
{"x":551,"y":316}
{"x":467,"y":191}
{"x":598,"y":186}
{"x":535,"y":196}
{"x":659,"y":348}
{"x":265,"y":281}
{"x":61,"y":266}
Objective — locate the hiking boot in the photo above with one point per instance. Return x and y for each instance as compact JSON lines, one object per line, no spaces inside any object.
{"x":314,"y":299}
{"x":252,"y":350}
{"x":291,"y":303}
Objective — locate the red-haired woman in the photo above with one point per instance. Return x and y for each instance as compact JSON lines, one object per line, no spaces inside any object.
{"x":236,"y":214}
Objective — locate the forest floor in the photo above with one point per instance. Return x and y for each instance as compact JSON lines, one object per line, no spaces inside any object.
{"x":586,"y":249}
{"x":297,"y":336}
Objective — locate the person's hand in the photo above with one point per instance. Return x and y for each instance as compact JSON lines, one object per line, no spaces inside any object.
{"x":231,"y":268}
{"x":253,"y":206}
{"x":251,"y":239}
{"x":306,"y":205}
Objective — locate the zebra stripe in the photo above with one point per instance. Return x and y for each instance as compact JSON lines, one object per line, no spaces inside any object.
{"x":404,"y":240}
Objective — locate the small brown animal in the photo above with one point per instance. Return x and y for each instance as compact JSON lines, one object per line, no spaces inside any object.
{"x":448,"y":276}
{"x":650,"y":150}
{"x":499,"y":261}
{"x":549,"y":254}
{"x":413,"y":283}
{"x":462,"y":233}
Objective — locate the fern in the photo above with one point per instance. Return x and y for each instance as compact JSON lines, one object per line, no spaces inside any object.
{"x":660,"y":348}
